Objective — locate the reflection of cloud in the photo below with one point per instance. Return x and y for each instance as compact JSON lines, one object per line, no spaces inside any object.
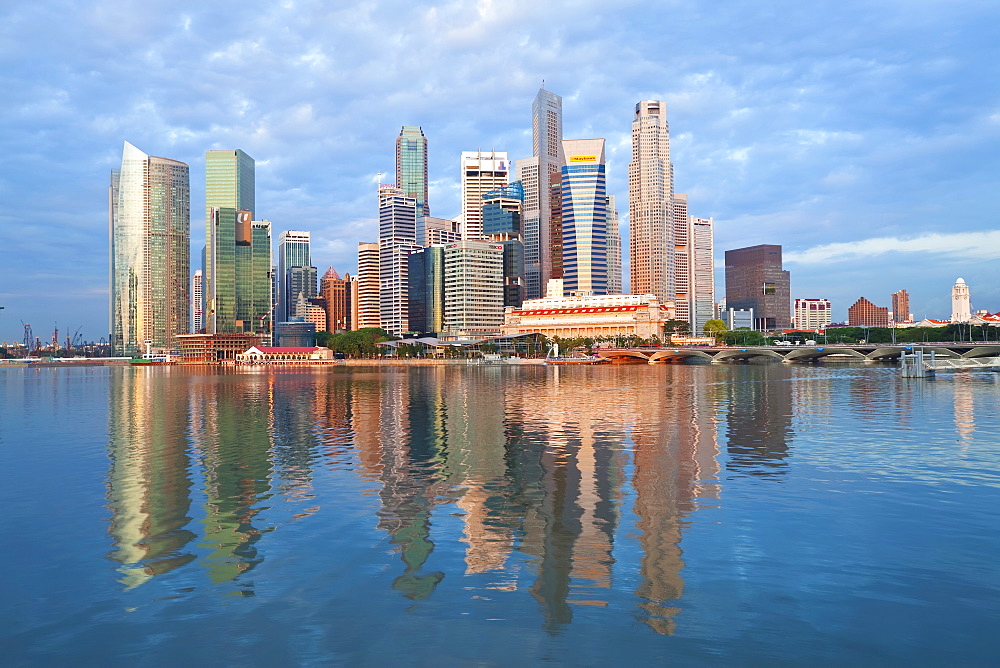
{"x":974,"y":245}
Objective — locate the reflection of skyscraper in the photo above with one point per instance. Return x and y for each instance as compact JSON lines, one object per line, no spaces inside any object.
{"x":758,"y":422}
{"x":150,"y":228}
{"x":149,"y":485}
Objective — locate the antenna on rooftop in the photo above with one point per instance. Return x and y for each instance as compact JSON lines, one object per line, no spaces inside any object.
{"x":379,"y":179}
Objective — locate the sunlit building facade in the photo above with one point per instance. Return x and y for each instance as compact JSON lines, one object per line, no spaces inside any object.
{"x":149,"y":212}
{"x":584,"y":218}
{"x":473,"y":288}
{"x":590,"y":316}
{"x":411,"y":172}
{"x":651,"y":196}
{"x":482,"y":171}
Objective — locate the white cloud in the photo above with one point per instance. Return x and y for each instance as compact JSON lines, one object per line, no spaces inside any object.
{"x":972,"y":245}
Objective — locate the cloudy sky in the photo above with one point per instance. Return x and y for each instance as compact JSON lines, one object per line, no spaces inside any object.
{"x":861,"y":135}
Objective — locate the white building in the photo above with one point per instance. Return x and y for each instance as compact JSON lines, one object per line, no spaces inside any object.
{"x":365,"y":289}
{"x":197,"y":302}
{"x":961,"y":306}
{"x":473,"y":288}
{"x":812,"y":313}
{"x":614,"y":249}
{"x":590,"y":316}
{"x":482,"y":171}
{"x":439,"y":231}
{"x":701,"y":271}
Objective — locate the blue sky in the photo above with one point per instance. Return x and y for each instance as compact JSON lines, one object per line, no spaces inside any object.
{"x":862,"y":136}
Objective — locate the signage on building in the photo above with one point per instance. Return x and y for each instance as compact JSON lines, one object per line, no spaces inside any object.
{"x":583,"y":158}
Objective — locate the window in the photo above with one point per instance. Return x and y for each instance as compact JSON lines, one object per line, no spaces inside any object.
{"x":770,"y":289}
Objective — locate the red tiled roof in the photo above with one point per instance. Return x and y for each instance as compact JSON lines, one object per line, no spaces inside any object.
{"x":596,"y":309}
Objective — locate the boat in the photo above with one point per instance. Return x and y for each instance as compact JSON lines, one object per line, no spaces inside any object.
{"x":553,"y":357}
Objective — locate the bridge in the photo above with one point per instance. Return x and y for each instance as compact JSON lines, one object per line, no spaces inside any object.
{"x":795,"y":354}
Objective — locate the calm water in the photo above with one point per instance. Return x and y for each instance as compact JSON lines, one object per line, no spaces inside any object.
{"x":696,"y":515}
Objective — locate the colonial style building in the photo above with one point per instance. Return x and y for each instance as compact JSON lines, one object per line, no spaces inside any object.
{"x":593,"y":316}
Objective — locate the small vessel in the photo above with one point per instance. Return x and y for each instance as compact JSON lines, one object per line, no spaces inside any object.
{"x":553,"y":357}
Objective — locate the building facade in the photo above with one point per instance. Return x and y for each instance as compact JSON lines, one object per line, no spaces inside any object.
{"x":229,"y":210}
{"x":651,"y":195}
{"x":336,"y":292}
{"x":438,"y":231}
{"x":755,"y":280}
{"x":701,"y":271}
{"x":863,"y":313}
{"x":593,"y":316}
{"x":901,"y":306}
{"x":397,"y":239}
{"x":482,"y":171}
{"x":812,"y":313}
{"x":426,"y":286}
{"x":149,"y":216}
{"x":294,"y":265}
{"x":411,"y":171}
{"x":365,"y":290}
{"x":584,"y":218}
{"x":473,"y":288}
{"x":614,"y":249}
{"x":197,"y":302}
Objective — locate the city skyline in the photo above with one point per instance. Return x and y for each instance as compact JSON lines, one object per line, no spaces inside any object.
{"x":852,"y":150}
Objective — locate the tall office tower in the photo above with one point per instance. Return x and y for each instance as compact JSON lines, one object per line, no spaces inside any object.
{"x":229,"y":189}
{"x":197,"y":302}
{"x":411,"y":171}
{"x":254,"y":296}
{"x":149,"y":220}
{"x":901,"y":306}
{"x":537,"y":174}
{"x":366,"y":288}
{"x":961,"y":307}
{"x":336,"y":292}
{"x":554,"y":252}
{"x":396,"y":240}
{"x":650,"y":200}
{"x":701,"y":263}
{"x":755,"y":280}
{"x":502,"y":225}
{"x":812,"y":313}
{"x":682,"y":258}
{"x":584,"y":218}
{"x":482,"y":171}
{"x":473,"y":288}
{"x":865,"y":314}
{"x":293,"y":251}
{"x":299,"y":282}
{"x":426,"y":294}
{"x":614,"y":249}
{"x":440,"y":231}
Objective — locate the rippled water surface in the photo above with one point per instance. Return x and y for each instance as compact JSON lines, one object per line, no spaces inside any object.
{"x":696,"y":515}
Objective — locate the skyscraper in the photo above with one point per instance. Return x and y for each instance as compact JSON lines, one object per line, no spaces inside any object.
{"x":336,"y":292}
{"x":901,"y":306}
{"x":482,"y":171}
{"x":755,"y":280}
{"x":364,"y":291}
{"x":614,"y":249}
{"x":473,"y":288}
{"x":197,"y":302}
{"x":502,"y":225}
{"x":682,"y":257}
{"x":150,"y":229}
{"x":396,"y":240}
{"x":295,"y":271}
{"x":584,"y":218}
{"x":229,"y":196}
{"x":411,"y":171}
{"x":651,"y":193}
{"x":701,"y":271}
{"x":537,"y":174}
{"x":426,"y":289}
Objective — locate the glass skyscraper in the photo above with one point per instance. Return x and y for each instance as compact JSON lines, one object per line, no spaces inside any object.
{"x":411,"y":171}
{"x":584,"y":218}
{"x":150,"y":229}
{"x":295,"y":271}
{"x":229,"y":210}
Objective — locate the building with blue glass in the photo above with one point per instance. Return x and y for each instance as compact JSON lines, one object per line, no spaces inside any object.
{"x":584,"y":218}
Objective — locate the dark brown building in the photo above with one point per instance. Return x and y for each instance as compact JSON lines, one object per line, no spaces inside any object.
{"x":755,"y":280}
{"x":866,"y":314}
{"x":336,"y":291}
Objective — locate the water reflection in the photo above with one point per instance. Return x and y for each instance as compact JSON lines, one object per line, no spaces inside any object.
{"x":758,"y":421}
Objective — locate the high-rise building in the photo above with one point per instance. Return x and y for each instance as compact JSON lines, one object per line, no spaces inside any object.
{"x":755,"y":280}
{"x":901,"y":306}
{"x":149,"y":216}
{"x":411,"y":171}
{"x":473,"y":288}
{"x":396,"y":239}
{"x":336,"y":292}
{"x":584,"y":218}
{"x":651,"y":196}
{"x":614,"y":249}
{"x":482,"y":171}
{"x":502,"y":224}
{"x":229,"y":207}
{"x":365,"y":290}
{"x":426,"y":289}
{"x":438,"y":231}
{"x":812,"y":313}
{"x":865,"y":314}
{"x":537,"y":173}
{"x":961,"y":306}
{"x":197,"y":302}
{"x":254,"y":294}
{"x":682,"y":257}
{"x":701,"y":271}
{"x":294,"y":263}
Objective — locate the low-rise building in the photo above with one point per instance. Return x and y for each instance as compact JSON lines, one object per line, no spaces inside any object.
{"x":590,"y":316}
{"x":212,"y":348}
{"x":284,"y":355}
